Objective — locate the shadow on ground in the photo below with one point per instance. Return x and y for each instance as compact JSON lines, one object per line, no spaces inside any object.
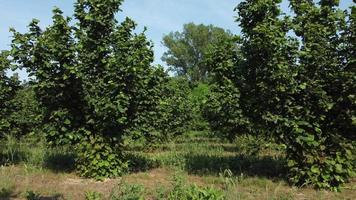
{"x":7,"y":193}
{"x":60,"y":162}
{"x":266,"y":166}
{"x":203,"y":164}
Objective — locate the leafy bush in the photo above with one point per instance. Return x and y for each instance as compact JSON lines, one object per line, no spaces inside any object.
{"x":99,"y":159}
{"x":250,"y":145}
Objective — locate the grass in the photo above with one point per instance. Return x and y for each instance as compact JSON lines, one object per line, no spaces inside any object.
{"x":237,"y":169}
{"x":210,"y":156}
{"x":34,"y":152}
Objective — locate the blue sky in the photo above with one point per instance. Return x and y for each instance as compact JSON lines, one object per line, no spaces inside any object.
{"x":159,"y":16}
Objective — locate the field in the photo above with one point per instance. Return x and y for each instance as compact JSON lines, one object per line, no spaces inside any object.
{"x":248,"y":168}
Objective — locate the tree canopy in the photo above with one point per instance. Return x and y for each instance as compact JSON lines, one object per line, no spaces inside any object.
{"x":95,"y":81}
{"x":297,"y":89}
{"x":187,"y":50}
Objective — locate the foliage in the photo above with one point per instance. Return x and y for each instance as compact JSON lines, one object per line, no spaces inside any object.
{"x":26,"y":117}
{"x":31,"y":195}
{"x":32,"y":150}
{"x":175,"y":108}
{"x":92,"y":195}
{"x":125,"y":191}
{"x":96,"y":159}
{"x":8,"y":90}
{"x":94,"y":89}
{"x":223,"y":112}
{"x":321,"y":150}
{"x":299,"y":92}
{"x":253,"y":145}
{"x":49,"y":56}
{"x":181,"y":107}
{"x":187,"y":50}
{"x":20,"y":112}
{"x":95,"y":82}
{"x":182,"y":191}
{"x":223,"y":109}
{"x":198,"y":98}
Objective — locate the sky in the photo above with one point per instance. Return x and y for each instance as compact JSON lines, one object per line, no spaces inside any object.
{"x":159,"y":16}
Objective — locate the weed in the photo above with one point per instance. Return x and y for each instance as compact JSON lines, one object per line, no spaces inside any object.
{"x":124,"y":191}
{"x":5,"y":193}
{"x":31,"y":195}
{"x":182,"y":191}
{"x":92,"y":195}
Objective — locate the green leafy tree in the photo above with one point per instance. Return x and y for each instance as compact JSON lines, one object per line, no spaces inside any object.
{"x":223,"y":109}
{"x":321,"y":150}
{"x":26,"y":117}
{"x":95,"y":81}
{"x":176,"y":108}
{"x":49,"y":56}
{"x":299,"y":91}
{"x":187,"y":50}
{"x":198,"y":97}
{"x":121,"y":87}
{"x":8,"y":89}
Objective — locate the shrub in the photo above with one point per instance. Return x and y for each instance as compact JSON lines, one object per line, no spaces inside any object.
{"x":140,"y":162}
{"x":99,"y":159}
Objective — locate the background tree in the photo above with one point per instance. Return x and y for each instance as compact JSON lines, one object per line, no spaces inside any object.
{"x":223,"y":108}
{"x":27,"y":114}
{"x":176,"y":108}
{"x":187,"y":50}
{"x":8,"y":89}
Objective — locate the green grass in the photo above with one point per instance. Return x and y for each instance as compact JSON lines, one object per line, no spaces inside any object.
{"x":211,"y":156}
{"x":33,"y":151}
{"x":249,"y":168}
